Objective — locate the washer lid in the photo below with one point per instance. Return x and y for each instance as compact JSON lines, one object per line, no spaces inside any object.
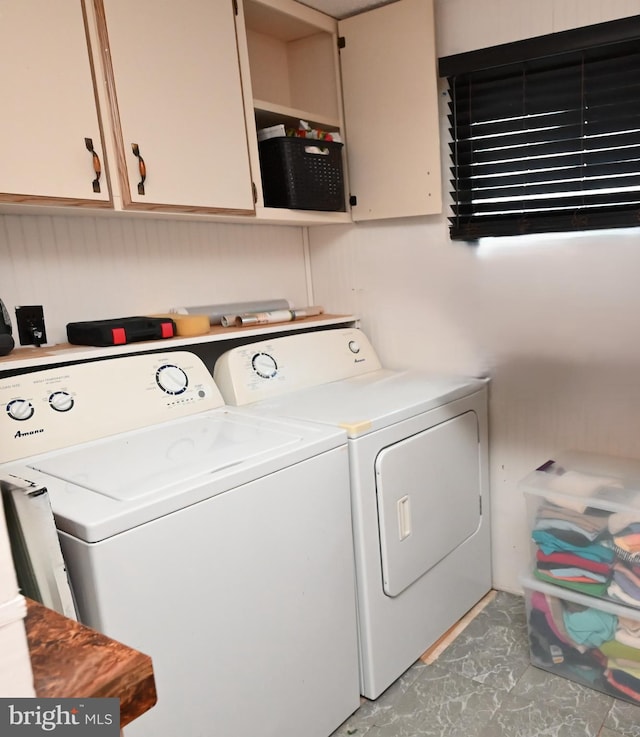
{"x":104,"y":487}
{"x":366,"y":403}
{"x":142,"y":464}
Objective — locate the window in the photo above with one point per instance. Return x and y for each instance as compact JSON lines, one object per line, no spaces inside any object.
{"x":545,"y":133}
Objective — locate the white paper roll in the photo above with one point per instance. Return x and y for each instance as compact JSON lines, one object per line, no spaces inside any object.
{"x":263,"y":318}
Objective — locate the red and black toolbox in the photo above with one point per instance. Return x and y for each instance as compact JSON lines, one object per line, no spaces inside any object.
{"x":120,"y":331}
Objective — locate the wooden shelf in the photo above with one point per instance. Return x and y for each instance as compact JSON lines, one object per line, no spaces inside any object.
{"x":268,"y":113}
{"x":284,"y":216}
{"x":26,"y":358}
{"x":275,"y":18}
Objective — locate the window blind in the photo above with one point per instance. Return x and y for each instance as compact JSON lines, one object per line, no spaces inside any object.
{"x":545,"y":134}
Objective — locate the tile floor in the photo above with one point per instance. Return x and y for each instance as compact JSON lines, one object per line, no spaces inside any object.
{"x":482,"y":685}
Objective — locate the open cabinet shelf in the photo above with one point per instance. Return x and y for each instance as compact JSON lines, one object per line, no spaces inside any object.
{"x":271,"y":114}
{"x":293,"y":60}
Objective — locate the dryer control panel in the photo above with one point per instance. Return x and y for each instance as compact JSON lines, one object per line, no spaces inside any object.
{"x":269,"y":368}
{"x":57,"y":408}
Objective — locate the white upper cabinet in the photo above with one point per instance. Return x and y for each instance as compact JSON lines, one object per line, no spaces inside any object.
{"x":390,"y":96}
{"x":379,"y":92}
{"x":51,"y":145}
{"x":180,"y":90}
{"x":176,"y":102}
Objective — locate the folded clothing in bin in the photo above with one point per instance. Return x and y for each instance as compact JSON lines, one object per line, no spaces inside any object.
{"x":119,"y":331}
{"x":302,"y":173}
{"x":590,"y":641}
{"x":584,"y":517}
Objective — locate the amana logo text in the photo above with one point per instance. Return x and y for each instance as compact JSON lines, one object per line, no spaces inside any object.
{"x":21,"y":434}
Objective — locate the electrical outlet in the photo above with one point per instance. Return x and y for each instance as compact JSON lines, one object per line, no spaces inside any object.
{"x":30,"y":321}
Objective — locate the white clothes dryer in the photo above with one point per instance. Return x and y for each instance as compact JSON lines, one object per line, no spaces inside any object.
{"x":218,"y":544}
{"x":419,"y":480}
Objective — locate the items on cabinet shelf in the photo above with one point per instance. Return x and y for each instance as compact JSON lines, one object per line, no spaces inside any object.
{"x":304,"y":130}
{"x":273,"y":131}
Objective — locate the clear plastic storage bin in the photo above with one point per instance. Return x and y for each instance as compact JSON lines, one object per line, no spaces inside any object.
{"x":584,"y":521}
{"x":589,"y":641}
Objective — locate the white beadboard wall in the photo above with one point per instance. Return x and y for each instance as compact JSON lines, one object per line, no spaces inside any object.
{"x":555,"y":321}
{"x":82,"y":268}
{"x":85,"y":268}
{"x":463,"y":25}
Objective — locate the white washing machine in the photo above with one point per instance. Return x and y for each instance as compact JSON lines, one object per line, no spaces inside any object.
{"x":419,"y":480}
{"x":218,"y":544}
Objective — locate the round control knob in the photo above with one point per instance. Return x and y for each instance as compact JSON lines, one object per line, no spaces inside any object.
{"x":354,"y":347}
{"x":171,"y":379}
{"x":61,"y":401}
{"x":264,"y":365}
{"x":20,"y":409}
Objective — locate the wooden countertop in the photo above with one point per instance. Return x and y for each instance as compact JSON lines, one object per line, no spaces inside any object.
{"x":70,"y":660}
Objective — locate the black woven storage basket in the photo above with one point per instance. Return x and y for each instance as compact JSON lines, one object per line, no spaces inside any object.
{"x":296,"y":176}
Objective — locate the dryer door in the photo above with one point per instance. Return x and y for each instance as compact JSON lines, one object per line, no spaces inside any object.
{"x":428,"y":490}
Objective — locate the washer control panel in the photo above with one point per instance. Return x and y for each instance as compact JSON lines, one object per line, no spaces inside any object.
{"x":57,"y":408}
{"x":264,"y":370}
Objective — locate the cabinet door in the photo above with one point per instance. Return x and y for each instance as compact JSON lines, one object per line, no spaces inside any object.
{"x":176,"y":101}
{"x":48,"y":106}
{"x":391,"y":111}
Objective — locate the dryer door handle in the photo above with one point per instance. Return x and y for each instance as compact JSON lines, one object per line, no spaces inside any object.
{"x":404,"y":517}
